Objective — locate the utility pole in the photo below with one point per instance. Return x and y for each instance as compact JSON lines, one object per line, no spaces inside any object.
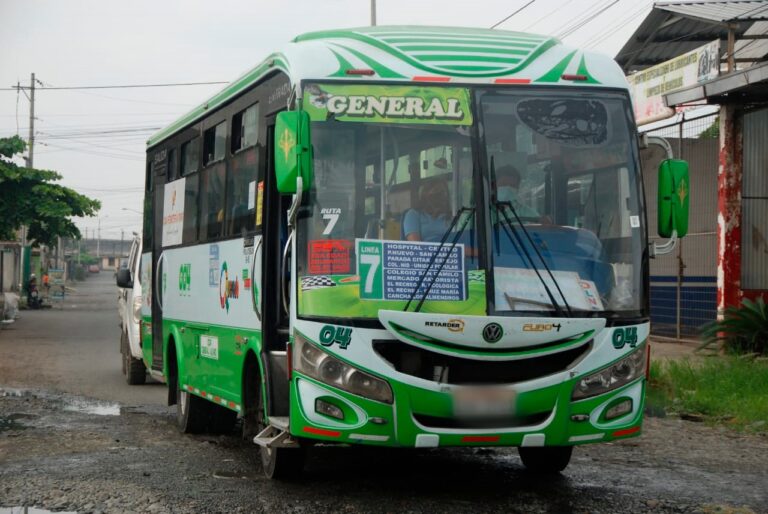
{"x":98,"y":241}
{"x":30,"y":163}
{"x":31,"y":122}
{"x":373,"y":13}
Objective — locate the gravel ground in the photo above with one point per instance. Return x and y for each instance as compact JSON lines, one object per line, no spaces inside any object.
{"x":63,"y":452}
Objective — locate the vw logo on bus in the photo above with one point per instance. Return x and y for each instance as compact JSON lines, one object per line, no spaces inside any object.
{"x":492,"y":333}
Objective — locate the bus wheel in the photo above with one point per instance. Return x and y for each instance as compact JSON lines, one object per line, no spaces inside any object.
{"x":283,"y":463}
{"x":278,"y":463}
{"x":545,"y":459}
{"x":191,"y":412}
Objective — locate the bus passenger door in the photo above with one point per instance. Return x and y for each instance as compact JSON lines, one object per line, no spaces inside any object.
{"x":275,"y":321}
{"x":157,"y":271}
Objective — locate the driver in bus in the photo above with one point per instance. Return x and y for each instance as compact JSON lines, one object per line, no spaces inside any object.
{"x":432,"y":219}
{"x":507,"y":191}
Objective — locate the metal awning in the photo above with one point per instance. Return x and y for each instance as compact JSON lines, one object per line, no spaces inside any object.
{"x":744,"y":86}
{"x":674,"y":28}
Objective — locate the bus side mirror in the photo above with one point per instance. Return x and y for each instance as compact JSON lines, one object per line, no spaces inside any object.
{"x":293,"y":153}
{"x":673,"y":195}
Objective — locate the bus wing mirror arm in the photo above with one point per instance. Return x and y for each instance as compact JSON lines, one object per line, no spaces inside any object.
{"x":665,"y":248}
{"x":293,"y":211}
{"x":671,"y":244}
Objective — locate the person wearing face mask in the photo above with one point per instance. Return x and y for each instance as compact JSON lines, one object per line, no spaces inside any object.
{"x":431,"y":220}
{"x":507,"y":186}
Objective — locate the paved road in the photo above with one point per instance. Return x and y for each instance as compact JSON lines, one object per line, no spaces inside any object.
{"x":57,"y":452}
{"x":73,"y":347}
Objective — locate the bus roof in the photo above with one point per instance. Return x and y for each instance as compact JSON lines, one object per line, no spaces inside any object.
{"x":425,"y":55}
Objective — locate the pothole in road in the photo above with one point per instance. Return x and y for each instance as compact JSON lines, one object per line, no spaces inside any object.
{"x":92,"y":407}
{"x":10,"y":423}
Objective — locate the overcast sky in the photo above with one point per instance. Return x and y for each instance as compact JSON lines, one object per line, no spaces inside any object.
{"x":96,"y":138}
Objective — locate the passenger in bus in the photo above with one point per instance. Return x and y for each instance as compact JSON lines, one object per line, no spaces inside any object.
{"x":432,"y":219}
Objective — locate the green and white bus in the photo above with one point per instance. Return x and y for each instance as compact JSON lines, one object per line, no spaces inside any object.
{"x":406,"y":237}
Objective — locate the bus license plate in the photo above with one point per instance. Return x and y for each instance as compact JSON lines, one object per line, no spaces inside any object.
{"x":479,"y":402}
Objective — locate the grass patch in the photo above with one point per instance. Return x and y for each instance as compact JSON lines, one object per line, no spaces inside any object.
{"x":726,"y":390}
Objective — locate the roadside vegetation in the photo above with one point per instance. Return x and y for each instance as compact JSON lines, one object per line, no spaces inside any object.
{"x":724,"y":390}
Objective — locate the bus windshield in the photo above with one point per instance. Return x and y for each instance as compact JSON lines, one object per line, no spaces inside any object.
{"x":397,"y":172}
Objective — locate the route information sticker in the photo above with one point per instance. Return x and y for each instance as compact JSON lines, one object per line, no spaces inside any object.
{"x":391,"y":270}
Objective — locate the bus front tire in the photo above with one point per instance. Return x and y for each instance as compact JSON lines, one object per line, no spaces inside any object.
{"x":277,"y":463}
{"x":545,"y":459}
{"x":283,"y":463}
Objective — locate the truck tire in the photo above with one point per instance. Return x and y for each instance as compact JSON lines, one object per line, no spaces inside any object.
{"x":545,"y":459}
{"x":134,"y":370}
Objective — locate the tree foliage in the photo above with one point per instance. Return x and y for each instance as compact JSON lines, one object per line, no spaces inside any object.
{"x":31,"y":197}
{"x":743,"y":329}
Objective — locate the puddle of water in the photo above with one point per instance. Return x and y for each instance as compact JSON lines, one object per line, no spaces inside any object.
{"x":92,"y":407}
{"x":29,"y":510}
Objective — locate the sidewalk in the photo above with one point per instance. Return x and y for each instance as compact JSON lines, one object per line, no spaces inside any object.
{"x":664,"y":349}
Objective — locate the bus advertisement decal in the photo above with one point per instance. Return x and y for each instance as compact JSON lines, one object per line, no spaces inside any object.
{"x":213,"y":265}
{"x":388,"y":104}
{"x":329,"y":256}
{"x":173,"y":212}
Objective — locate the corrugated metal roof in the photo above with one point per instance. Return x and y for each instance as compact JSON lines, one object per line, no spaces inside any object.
{"x":722,"y":12}
{"x":674,"y":28}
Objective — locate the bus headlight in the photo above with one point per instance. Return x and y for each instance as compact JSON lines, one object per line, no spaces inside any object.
{"x":316,"y":363}
{"x":614,"y":376}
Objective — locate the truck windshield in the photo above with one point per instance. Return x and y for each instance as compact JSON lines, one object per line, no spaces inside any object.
{"x":568,"y":210}
{"x":394,"y":165}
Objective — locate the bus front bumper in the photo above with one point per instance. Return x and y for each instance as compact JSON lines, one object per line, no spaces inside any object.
{"x":422,"y":418}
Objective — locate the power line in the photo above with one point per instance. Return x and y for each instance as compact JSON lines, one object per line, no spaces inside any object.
{"x":511,"y":15}
{"x":589,"y":17}
{"x":123,"y":86}
{"x":547,"y":15}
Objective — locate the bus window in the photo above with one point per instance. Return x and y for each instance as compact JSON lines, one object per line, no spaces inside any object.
{"x":245,"y":128}
{"x":190,"y":156}
{"x":212,"y":180}
{"x":190,"y":160}
{"x":191,"y":188}
{"x":171,"y":172}
{"x":242,"y":192}
{"x":213,"y":143}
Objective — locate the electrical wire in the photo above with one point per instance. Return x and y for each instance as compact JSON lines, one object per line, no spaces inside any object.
{"x":511,"y":15}
{"x":588,"y":19}
{"x":123,"y":86}
{"x":546,"y":15}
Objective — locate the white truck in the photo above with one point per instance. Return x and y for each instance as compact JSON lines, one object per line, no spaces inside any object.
{"x":129,"y":309}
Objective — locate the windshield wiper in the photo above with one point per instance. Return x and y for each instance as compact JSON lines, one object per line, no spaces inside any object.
{"x":443,"y":240}
{"x":518,"y":241}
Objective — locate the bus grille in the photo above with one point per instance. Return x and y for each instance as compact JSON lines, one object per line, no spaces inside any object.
{"x":479,"y":424}
{"x":447,"y":369}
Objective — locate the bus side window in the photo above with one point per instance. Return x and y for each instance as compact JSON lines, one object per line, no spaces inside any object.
{"x":212,"y":181}
{"x":189,"y":166}
{"x":242,"y":176}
